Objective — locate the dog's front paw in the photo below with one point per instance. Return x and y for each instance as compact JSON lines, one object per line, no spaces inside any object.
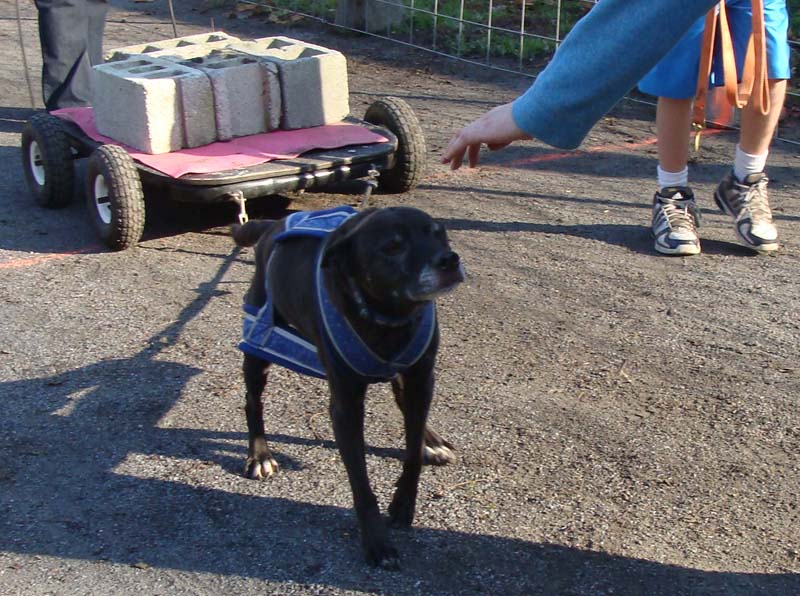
{"x":258,"y":469}
{"x":382,"y":555}
{"x":401,"y":512}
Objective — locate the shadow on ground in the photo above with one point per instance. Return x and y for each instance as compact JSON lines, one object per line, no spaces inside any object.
{"x":634,"y":238}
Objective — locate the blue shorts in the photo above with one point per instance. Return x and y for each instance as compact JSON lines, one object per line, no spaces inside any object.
{"x":675,"y":76}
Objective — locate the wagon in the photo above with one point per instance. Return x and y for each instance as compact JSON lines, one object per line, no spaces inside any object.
{"x":115,"y":181}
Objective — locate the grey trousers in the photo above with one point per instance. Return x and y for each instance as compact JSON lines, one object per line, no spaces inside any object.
{"x":71,"y":35}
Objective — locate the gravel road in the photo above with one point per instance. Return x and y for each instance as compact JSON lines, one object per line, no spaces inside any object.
{"x":625,"y":423}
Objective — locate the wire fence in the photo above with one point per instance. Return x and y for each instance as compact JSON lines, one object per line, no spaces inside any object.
{"x":516,"y":36}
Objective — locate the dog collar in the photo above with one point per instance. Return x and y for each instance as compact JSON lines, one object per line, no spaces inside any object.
{"x":365,"y":312}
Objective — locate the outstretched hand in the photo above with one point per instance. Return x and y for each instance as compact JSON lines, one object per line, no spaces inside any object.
{"x":496,"y":129}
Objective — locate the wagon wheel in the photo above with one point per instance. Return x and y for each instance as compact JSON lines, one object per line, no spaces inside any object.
{"x":47,"y":161}
{"x":114,"y":197}
{"x":397,"y":116}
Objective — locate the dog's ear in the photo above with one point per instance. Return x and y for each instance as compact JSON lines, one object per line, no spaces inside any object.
{"x":341,"y":237}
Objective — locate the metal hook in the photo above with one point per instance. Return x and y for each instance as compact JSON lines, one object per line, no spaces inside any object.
{"x":372,"y":183}
{"x":238,"y":198}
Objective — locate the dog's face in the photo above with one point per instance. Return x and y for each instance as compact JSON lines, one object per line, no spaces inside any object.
{"x":398,"y":256}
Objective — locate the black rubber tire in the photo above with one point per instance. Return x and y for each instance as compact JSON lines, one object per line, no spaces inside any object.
{"x":398,"y":117}
{"x":114,"y":197}
{"x":47,"y":161}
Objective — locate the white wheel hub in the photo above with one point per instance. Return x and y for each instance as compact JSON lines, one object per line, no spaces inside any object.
{"x":102,"y":201}
{"x":37,"y":163}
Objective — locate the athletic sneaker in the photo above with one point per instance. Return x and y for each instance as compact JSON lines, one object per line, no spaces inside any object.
{"x":675,"y":221}
{"x":747,"y":203}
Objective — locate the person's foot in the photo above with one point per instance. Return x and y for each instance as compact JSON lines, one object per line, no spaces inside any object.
{"x":675,"y":221}
{"x":747,"y":203}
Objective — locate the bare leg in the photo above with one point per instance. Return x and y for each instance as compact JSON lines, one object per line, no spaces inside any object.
{"x":673,"y":120}
{"x":758,"y":128}
{"x":743,"y":193}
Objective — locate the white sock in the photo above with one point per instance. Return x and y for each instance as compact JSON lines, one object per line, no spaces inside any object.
{"x":666,"y":179}
{"x":745,"y":164}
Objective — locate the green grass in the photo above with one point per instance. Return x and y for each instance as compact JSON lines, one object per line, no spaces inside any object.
{"x":473,"y":41}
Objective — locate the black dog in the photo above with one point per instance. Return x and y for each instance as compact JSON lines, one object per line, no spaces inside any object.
{"x":379,"y":271}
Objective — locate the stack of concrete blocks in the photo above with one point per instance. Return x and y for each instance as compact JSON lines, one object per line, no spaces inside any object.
{"x":182,"y":48}
{"x":194,"y":90}
{"x":313,"y":79}
{"x":153,"y":105}
{"x":246,"y":92}
{"x":247,"y":97}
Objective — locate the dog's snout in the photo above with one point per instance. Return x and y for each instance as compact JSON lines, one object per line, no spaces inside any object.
{"x":448,"y":261}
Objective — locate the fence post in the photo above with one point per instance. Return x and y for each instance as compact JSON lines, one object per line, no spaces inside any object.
{"x":350,"y":13}
{"x":369,"y":15}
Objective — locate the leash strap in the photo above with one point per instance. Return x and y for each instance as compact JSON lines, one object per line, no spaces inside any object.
{"x":754,"y":83}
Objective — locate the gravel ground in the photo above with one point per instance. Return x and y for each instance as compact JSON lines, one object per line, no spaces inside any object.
{"x":625,"y":423}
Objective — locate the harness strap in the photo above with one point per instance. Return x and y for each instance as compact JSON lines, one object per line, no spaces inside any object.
{"x":754,"y":83}
{"x":269,"y":340}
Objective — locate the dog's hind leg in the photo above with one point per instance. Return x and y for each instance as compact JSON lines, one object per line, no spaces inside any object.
{"x":259,"y":464}
{"x":436,"y":451}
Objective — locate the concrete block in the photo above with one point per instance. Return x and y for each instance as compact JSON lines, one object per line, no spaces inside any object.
{"x":181,"y":48}
{"x":313,"y":79}
{"x":246,"y":93}
{"x":153,"y":105}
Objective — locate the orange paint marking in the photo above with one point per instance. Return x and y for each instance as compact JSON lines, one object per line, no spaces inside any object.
{"x":601,"y":148}
{"x":20,"y":263}
{"x":579,"y":153}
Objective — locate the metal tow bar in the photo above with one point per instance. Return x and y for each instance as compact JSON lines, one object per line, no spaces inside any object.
{"x":372,"y":183}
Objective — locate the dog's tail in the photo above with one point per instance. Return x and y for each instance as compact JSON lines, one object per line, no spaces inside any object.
{"x":248,"y":234}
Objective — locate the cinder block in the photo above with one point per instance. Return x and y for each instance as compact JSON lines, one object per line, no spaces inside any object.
{"x":246,"y":93}
{"x":183,"y":48}
{"x":153,"y":105}
{"x":313,"y":79}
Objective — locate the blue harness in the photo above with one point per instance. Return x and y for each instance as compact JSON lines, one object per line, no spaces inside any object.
{"x":264,"y":339}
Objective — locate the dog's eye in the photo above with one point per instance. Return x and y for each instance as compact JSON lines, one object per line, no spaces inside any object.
{"x":438,"y":232}
{"x":393,"y":246}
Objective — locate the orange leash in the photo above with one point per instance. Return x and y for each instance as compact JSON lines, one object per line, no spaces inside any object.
{"x":754,"y":83}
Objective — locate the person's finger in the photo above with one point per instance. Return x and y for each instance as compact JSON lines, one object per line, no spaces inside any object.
{"x":455,"y":155}
{"x":452,"y":150}
{"x":457,"y":161}
{"x":473,"y":152}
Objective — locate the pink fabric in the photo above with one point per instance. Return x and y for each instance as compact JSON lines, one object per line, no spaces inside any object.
{"x":237,"y":153}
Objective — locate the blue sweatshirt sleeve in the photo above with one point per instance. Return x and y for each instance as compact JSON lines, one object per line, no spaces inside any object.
{"x":603,"y":57}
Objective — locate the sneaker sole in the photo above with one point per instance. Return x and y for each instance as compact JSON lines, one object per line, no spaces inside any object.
{"x":761,"y":248}
{"x":682,"y":250}
{"x":685,"y":250}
